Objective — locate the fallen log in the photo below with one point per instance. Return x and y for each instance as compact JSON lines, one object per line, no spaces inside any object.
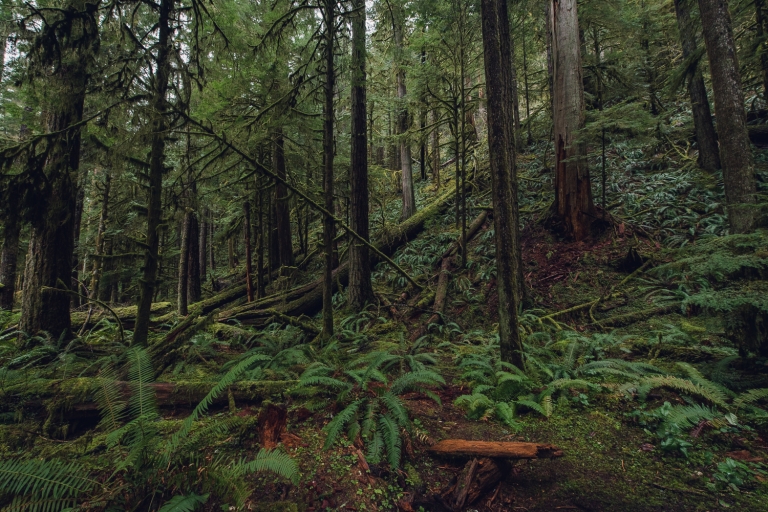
{"x":494,"y":449}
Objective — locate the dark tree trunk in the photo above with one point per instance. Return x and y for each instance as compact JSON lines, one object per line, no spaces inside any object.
{"x":573,"y":209}
{"x":360,"y":289}
{"x":45,"y":306}
{"x":735,"y":150}
{"x":436,"y":149}
{"x":148,"y":281}
{"x":203,"y":253}
{"x":762,"y":28}
{"x":212,"y":250}
{"x":76,"y":300}
{"x":284,"y":243}
{"x":248,"y":256}
{"x":497,"y":55}
{"x":706,"y":138}
{"x":514,"y":89}
{"x":329,"y":86}
{"x":194,"y":291}
{"x":260,"y":291}
{"x":8,"y":259}
{"x":181,"y":296}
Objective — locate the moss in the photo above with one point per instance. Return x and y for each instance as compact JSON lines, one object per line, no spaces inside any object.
{"x":280,"y":506}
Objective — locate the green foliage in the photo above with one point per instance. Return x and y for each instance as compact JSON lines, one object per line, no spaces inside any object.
{"x":43,"y":485}
{"x":184,"y":503}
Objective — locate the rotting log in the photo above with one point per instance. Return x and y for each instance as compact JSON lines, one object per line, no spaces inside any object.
{"x":494,"y":449}
{"x":77,"y":395}
{"x":127,"y":315}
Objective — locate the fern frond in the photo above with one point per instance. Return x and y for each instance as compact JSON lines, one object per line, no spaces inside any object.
{"x":43,"y":485}
{"x":141,"y":374}
{"x":184,"y":503}
{"x":375,"y":448}
{"x":275,"y":461}
{"x":750,"y":397}
{"x":410,"y":380}
{"x":391,"y":434}
{"x":336,"y":425}
{"x":533,"y":405}
{"x":396,"y":409}
{"x":109,"y":400}
{"x":505,"y":412}
{"x":546,"y":404}
{"x":714,"y":395}
{"x":688,"y":416}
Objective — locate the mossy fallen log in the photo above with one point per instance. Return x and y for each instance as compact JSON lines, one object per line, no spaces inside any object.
{"x":127,"y":314}
{"x":494,"y":449}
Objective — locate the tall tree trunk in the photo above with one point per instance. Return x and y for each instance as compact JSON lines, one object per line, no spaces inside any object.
{"x":148,"y":282}
{"x":573,"y":207}
{"x":497,"y":56}
{"x":212,"y":250}
{"x":735,"y":150}
{"x":436,"y":148}
{"x":182,"y":294}
{"x":284,"y":243}
{"x":403,"y":117}
{"x":514,"y":87}
{"x":8,"y":259}
{"x":98,"y":262}
{"x":525,"y":83}
{"x":194,"y":290}
{"x":72,"y":38}
{"x":762,"y":28}
{"x":360,"y":289}
{"x":260,"y":259}
{"x":248,"y":256}
{"x":76,"y":300}
{"x":706,"y":138}
{"x":203,"y":254}
{"x":329,"y":86}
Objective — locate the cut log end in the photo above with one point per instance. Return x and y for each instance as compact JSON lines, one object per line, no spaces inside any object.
{"x":495,"y":449}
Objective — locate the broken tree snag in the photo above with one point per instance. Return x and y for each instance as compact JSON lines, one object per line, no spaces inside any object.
{"x":494,"y":449}
{"x":272,"y":420}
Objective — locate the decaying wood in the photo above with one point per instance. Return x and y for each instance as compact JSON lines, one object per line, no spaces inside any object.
{"x":272,"y":420}
{"x":494,"y":449}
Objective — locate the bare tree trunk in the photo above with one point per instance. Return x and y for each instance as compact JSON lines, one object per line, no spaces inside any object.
{"x":436,"y":149}
{"x":706,"y":139}
{"x":282,"y":211}
{"x":260,"y":259}
{"x":48,"y":272}
{"x":147,"y":283}
{"x":762,"y":20}
{"x":403,"y":118}
{"x":329,"y":86}
{"x":497,"y":56}
{"x":212,"y":250}
{"x":360,"y":289}
{"x":514,"y":84}
{"x":735,"y":150}
{"x":248,"y":258}
{"x":98,"y":262}
{"x":181,"y":296}
{"x":573,"y":207}
{"x":203,"y":253}
{"x":194,"y":291}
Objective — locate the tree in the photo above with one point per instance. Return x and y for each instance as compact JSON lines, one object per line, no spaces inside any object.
{"x":735,"y":151}
{"x":706,"y":139}
{"x":67,"y":44}
{"x":329,"y":20}
{"x":573,"y":207}
{"x":284,"y":244}
{"x":501,"y":144}
{"x":360,"y":289}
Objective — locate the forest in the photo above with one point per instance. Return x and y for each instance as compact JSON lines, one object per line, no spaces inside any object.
{"x":395,"y":255}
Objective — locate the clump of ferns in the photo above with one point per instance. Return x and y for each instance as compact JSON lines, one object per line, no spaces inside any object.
{"x":722,"y":409}
{"x":149,"y":471}
{"x":369,"y":390}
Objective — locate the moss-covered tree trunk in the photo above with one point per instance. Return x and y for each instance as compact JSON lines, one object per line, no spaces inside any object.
{"x":328,"y":143}
{"x":497,"y":56}
{"x":67,"y":46}
{"x":706,"y":139}
{"x":360,"y":289}
{"x":735,"y":150}
{"x":284,"y":244}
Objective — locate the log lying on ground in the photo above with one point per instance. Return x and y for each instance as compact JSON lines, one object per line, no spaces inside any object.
{"x":494,"y":449}
{"x":127,"y":315}
{"x":77,"y":395}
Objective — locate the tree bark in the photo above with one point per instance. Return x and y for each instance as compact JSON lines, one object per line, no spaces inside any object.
{"x":284,"y":243}
{"x":735,"y":150}
{"x":260,"y":291}
{"x":72,"y":36}
{"x":403,"y":118}
{"x":203,"y":252}
{"x":98,"y":263}
{"x":706,"y":138}
{"x":328,"y":231}
{"x":495,"y":449}
{"x":181,"y":296}
{"x":8,"y":259}
{"x":514,"y":90}
{"x":436,"y":149}
{"x":194,"y":291}
{"x":248,"y":257}
{"x":360,"y":289}
{"x":497,"y":57}
{"x":148,"y":282}
{"x":762,"y":21}
{"x":573,"y":207}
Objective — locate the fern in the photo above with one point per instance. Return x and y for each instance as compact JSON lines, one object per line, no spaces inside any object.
{"x":750,"y":397}
{"x":713,"y":394}
{"x":536,"y":407}
{"x":275,"y":461}
{"x":336,"y":425}
{"x":184,"y":503}
{"x":44,"y":486}
{"x":687,"y":416}
{"x":109,"y":400}
{"x":391,"y":435}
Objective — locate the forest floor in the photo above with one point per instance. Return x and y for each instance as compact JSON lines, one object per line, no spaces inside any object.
{"x":621,"y":449}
